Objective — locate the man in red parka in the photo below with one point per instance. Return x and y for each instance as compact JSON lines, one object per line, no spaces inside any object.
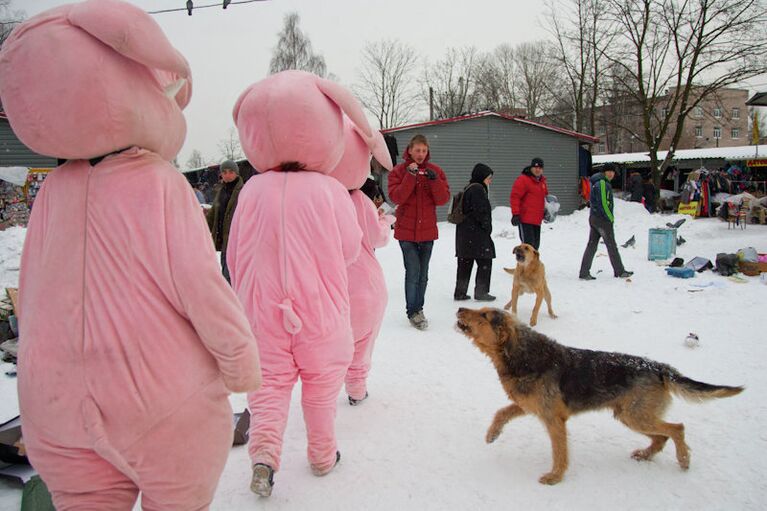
{"x":528,"y":202}
{"x":417,"y":186}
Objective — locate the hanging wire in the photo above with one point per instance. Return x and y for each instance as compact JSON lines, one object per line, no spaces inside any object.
{"x":218,"y":4}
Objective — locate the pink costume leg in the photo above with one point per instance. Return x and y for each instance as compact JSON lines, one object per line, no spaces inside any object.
{"x":270,"y":405}
{"x":356,"y":376}
{"x":80,"y":479}
{"x":322,"y":363}
{"x":180,"y":460}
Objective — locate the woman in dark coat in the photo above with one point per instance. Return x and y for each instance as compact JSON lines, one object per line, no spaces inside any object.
{"x":472,"y":237}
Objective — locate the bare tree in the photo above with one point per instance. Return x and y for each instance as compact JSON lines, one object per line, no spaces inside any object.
{"x":674,"y":54}
{"x":8,"y":19}
{"x":386,"y":85}
{"x":229,"y":147}
{"x":537,"y":74}
{"x":582,"y":34}
{"x":453,"y":81}
{"x":294,"y":50}
{"x":195,"y":160}
{"x":496,"y":83}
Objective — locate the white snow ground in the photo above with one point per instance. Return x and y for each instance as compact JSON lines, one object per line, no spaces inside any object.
{"x":418,"y":442}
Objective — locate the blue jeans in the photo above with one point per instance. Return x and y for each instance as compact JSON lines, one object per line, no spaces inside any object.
{"x":416,"y":256}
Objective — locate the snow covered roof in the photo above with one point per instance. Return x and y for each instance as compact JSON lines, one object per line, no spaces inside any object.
{"x":746,"y":152}
{"x":580,"y":136}
{"x":758,"y":99}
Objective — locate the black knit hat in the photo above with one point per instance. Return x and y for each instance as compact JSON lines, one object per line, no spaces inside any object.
{"x":609,"y":167}
{"x":229,"y":165}
{"x":537,"y":162}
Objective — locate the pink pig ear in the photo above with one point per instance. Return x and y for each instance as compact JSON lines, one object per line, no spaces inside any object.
{"x":131,"y":32}
{"x":380,"y":151}
{"x":348,"y":103}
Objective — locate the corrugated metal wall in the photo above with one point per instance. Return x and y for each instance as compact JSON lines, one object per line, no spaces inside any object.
{"x":15,"y":154}
{"x":507,"y":147}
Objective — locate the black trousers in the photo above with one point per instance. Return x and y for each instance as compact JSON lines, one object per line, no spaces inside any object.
{"x":530,"y":234}
{"x":463,"y":276}
{"x":601,"y":228}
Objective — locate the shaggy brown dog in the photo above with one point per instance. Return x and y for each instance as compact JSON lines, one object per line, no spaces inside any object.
{"x":553,"y":382}
{"x":529,"y":277}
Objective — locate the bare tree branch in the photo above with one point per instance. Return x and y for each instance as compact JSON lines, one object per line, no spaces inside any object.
{"x":386,"y":83}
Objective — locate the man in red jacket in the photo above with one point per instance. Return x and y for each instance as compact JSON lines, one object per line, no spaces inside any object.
{"x":417,"y":186}
{"x":528,"y":202}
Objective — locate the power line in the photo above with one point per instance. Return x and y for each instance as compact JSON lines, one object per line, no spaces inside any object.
{"x":219,"y":4}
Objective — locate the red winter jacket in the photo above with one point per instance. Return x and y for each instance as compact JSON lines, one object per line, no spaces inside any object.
{"x":417,"y":198}
{"x":528,"y":198}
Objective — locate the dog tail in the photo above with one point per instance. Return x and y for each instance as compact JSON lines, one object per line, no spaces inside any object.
{"x":509,"y":270}
{"x":698,"y":391}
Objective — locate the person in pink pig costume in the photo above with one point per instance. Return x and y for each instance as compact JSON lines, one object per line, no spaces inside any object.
{"x":132,"y":339}
{"x":367,"y":286}
{"x":291,"y":240}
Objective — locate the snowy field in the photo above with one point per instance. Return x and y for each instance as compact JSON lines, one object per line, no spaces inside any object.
{"x":418,"y":442}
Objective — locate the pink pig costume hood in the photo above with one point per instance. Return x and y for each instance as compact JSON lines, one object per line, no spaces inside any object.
{"x":292,"y":237}
{"x":132,"y":338}
{"x":110,"y":94}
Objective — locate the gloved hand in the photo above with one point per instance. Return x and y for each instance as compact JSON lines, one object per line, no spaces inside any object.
{"x":431,"y":174}
{"x":413,"y":168}
{"x":515,"y":220}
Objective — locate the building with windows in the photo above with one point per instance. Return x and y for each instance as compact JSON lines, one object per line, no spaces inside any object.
{"x":720,"y":120}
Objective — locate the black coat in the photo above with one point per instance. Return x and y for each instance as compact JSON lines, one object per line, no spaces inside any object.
{"x":472,"y":236}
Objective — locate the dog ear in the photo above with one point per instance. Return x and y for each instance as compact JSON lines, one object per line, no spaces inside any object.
{"x":496,"y":318}
{"x":515,"y":250}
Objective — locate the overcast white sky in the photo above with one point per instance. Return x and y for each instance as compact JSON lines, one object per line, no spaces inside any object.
{"x":230,"y":49}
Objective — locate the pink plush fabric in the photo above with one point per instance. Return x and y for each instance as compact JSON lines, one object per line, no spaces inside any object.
{"x":367,"y":291}
{"x":291,"y":239}
{"x":307,"y":128}
{"x":107,"y":94}
{"x":367,"y":288}
{"x":132,"y":338}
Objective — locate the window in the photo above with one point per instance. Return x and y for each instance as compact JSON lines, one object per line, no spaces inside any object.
{"x":664,"y":113}
{"x":736,"y":114}
{"x":717,"y":132}
{"x":735,"y":132}
{"x":717,"y":112}
{"x":699,"y":131}
{"x":698,"y":111}
{"x":602,"y":147}
{"x":601,"y":130}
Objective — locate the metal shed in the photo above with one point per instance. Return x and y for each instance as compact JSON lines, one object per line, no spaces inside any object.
{"x":13,"y":153}
{"x":506,"y":144}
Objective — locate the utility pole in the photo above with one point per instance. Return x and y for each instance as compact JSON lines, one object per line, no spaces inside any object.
{"x":431,"y":103}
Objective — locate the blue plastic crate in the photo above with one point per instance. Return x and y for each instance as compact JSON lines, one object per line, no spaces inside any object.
{"x":661,"y":244}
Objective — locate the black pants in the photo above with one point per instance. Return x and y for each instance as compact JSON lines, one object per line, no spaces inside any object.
{"x":601,"y":228}
{"x":224,"y":267}
{"x":530,"y":234}
{"x":463,"y":276}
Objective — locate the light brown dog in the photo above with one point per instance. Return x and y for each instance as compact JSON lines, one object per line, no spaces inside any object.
{"x":553,"y":382}
{"x":529,"y":277}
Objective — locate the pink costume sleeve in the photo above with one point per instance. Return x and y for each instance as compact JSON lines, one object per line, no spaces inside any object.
{"x":377,"y":227}
{"x":209,"y":302}
{"x":351,"y":235}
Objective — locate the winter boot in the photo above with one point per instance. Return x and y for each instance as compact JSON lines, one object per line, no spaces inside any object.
{"x":263,"y":480}
{"x":355,"y":402}
{"x":323,"y":472}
